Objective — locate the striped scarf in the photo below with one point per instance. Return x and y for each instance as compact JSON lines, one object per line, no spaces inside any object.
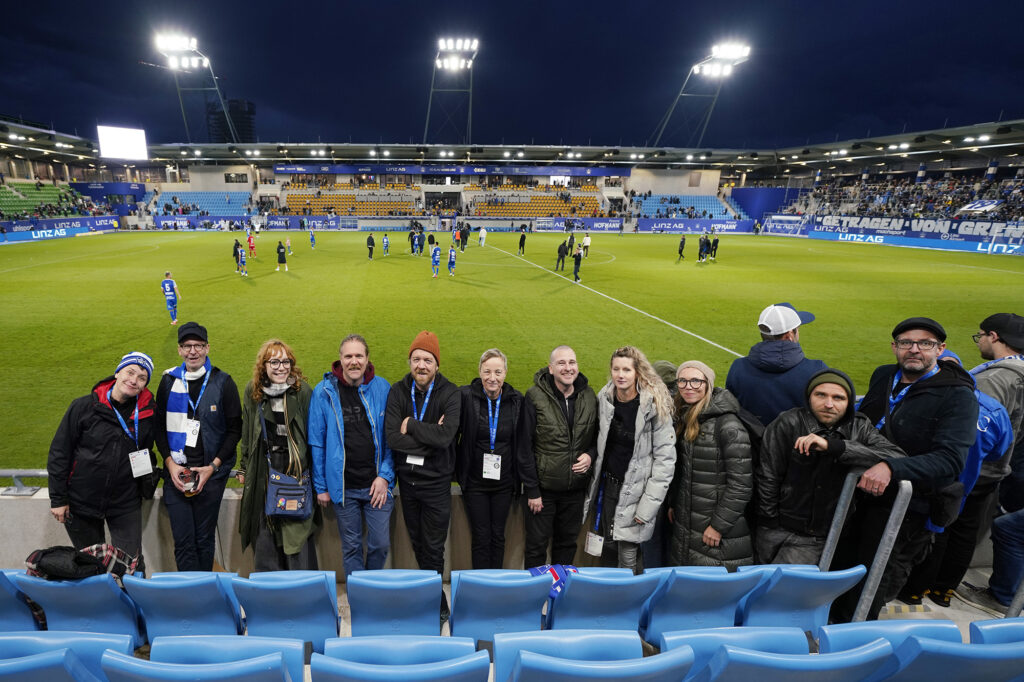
{"x":177,"y":408}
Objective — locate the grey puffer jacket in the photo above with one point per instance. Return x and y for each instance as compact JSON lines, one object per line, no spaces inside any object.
{"x":712,"y":485}
{"x":650,"y":469}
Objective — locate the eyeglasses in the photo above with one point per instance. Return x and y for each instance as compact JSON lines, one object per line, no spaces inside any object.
{"x":192,"y":347}
{"x":276,"y":362}
{"x":692,"y":383}
{"x":977,"y":337}
{"x":907,"y":344}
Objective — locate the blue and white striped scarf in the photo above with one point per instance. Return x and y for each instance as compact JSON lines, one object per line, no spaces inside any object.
{"x":177,"y":408}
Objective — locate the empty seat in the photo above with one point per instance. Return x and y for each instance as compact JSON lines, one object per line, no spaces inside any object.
{"x":304,"y":608}
{"x":183,"y":606}
{"x":59,"y":665}
{"x":88,"y":646}
{"x":398,"y":649}
{"x":690,"y":600}
{"x":670,"y":666}
{"x":483,"y":605}
{"x":735,"y":664}
{"x":842,"y":636}
{"x":920,"y":658}
{"x":194,"y":649}
{"x":705,"y":643}
{"x":15,"y":614}
{"x":591,"y":645}
{"x":121,"y":668}
{"x":602,"y":602}
{"x":472,"y":667}
{"x":383,"y":604}
{"x":225,"y":582}
{"x":93,"y":604}
{"x":998,"y":631}
{"x":797,"y":597}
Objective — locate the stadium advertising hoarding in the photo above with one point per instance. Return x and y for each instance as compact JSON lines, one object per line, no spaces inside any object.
{"x":695,"y":226}
{"x":595,"y":224}
{"x":55,"y":228}
{"x":450,"y":169}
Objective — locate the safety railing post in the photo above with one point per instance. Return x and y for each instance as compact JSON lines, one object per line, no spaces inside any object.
{"x":885,"y":545}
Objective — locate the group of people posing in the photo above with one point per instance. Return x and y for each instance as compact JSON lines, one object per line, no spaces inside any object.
{"x":664,"y":466}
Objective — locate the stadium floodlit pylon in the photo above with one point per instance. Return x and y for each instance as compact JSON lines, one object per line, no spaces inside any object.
{"x":454,"y":60}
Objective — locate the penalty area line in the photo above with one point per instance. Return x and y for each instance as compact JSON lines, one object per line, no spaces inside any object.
{"x":624,"y":304}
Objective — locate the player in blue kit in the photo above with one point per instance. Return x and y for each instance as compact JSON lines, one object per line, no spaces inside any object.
{"x":385,"y":243}
{"x":171,"y":295}
{"x":312,"y":239}
{"x":435,"y":259}
{"x":242,"y":269}
{"x":451,"y":261}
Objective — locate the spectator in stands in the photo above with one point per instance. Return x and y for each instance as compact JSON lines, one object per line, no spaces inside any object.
{"x":101,"y":461}
{"x":713,"y":481}
{"x":275,"y":407}
{"x":422,"y":420}
{"x":805,"y":455}
{"x":353,"y":466}
{"x":494,"y":460}
{"x":198,"y":426}
{"x":773,"y":376}
{"x":636,"y":457}
{"x":928,"y":410}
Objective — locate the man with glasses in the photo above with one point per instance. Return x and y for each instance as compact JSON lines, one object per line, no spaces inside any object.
{"x":199,"y":424}
{"x":929,"y":411}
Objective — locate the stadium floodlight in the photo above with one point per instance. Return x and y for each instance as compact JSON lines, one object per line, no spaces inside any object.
{"x":255,"y":152}
{"x":520,"y":154}
{"x":373,"y":152}
{"x":904,"y":145}
{"x":386,"y":153}
{"x":983,"y":138}
{"x":183,"y":56}
{"x":455,"y":57}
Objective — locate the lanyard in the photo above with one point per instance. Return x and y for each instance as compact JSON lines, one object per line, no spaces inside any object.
{"x":894,"y":401}
{"x":133,"y":436}
{"x":492,"y":419}
{"x":195,"y":405}
{"x":426,"y":400}
{"x":600,"y":499}
{"x":985,"y":365}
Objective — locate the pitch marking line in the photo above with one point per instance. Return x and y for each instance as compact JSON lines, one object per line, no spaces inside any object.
{"x":624,"y":304}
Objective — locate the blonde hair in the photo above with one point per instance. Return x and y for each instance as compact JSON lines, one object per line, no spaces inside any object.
{"x":647,"y":380}
{"x":490,"y":354}
{"x":259,"y":370}
{"x":687,"y":417}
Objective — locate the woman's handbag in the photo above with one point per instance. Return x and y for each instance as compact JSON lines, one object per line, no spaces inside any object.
{"x":287,"y":496}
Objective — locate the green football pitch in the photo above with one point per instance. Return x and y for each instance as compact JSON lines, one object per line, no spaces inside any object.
{"x":71,"y":307}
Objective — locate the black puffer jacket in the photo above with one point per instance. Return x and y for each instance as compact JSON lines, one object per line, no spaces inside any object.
{"x":712,"y":486}
{"x":799,"y":492}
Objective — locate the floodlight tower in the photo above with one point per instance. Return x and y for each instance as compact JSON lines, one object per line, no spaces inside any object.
{"x":714,"y":68}
{"x":454,"y":58}
{"x":183,"y":55}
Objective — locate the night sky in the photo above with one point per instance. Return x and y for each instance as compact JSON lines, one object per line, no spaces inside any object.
{"x":565,"y":73}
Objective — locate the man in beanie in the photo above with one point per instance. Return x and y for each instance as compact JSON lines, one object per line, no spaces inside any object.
{"x":199,"y":424}
{"x":101,"y":460}
{"x":807,"y":452}
{"x":928,"y":409}
{"x":773,"y":376}
{"x":421,"y":421}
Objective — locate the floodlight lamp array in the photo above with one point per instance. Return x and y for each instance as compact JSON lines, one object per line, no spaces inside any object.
{"x":457,"y":44}
{"x":175,"y":43}
{"x":730,"y":51}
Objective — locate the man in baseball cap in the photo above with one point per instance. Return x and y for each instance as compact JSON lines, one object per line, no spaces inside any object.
{"x":772,"y":377}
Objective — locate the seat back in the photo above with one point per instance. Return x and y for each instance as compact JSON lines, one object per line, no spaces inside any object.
{"x":456,"y":576}
{"x":15,"y":614}
{"x":229,"y":648}
{"x":593,"y":645}
{"x":842,"y":636}
{"x":998,"y":631}
{"x":225,"y":582}
{"x":93,"y":604}
{"x":393,"y":605}
{"x":330,"y":578}
{"x":669,"y":666}
{"x":472,"y":667}
{"x":689,"y":601}
{"x":87,"y":646}
{"x":398,"y":649}
{"x":121,"y":668}
{"x":735,"y":664}
{"x":705,"y":643}
{"x":484,"y":605}
{"x":301,"y":608}
{"x":58,"y":665}
{"x":797,"y":597}
{"x":604,"y":602}
{"x":920,"y":658}
{"x":183,"y":606}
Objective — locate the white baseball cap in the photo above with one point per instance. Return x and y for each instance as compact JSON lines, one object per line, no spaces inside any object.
{"x":782,"y":317}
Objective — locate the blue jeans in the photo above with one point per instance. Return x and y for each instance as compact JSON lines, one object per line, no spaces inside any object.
{"x":351,"y":515}
{"x":1007,"y":555}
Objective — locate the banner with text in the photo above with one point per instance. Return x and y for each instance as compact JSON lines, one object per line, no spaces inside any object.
{"x":57,"y":227}
{"x":450,"y":169}
{"x":694,"y":226}
{"x":559,"y":224}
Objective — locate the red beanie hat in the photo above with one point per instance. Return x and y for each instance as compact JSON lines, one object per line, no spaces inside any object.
{"x":427,"y":341}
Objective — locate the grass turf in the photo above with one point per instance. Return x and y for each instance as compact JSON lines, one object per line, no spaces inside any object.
{"x":72,"y":307}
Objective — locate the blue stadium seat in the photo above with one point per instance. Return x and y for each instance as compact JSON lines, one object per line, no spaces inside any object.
{"x":384,"y":604}
{"x":213,"y":202}
{"x":194,"y":649}
{"x":734,"y":664}
{"x":183,"y":606}
{"x":305,"y":607}
{"x":93,"y":604}
{"x":121,"y":668}
{"x":88,"y":647}
{"x":483,"y":605}
{"x":842,"y":636}
{"x":669,"y":666}
{"x":998,"y":631}
{"x":705,"y":643}
{"x":59,"y":665}
{"x":398,"y":649}
{"x":920,"y":658}
{"x":225,"y":582}
{"x":602,"y":602}
{"x":473,"y":667}
{"x":687,"y":600}
{"x":588,"y":645}
{"x":15,"y":614}
{"x":797,"y":597}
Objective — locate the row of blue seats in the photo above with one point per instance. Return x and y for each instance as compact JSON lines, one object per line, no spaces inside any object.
{"x":882,"y":650}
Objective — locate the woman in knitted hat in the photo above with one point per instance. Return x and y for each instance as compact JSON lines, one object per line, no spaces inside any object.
{"x":714,"y":478}
{"x":101,"y":461}
{"x":275,"y":405}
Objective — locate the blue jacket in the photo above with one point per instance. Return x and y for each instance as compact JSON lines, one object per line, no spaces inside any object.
{"x":772,"y":378}
{"x":326,"y":432}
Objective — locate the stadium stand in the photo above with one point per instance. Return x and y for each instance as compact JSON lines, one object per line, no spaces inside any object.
{"x":736,"y":207}
{"x":522,"y":202}
{"x":204,"y":203}
{"x":50,"y":201}
{"x":679,"y":206}
{"x":364,"y":203}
